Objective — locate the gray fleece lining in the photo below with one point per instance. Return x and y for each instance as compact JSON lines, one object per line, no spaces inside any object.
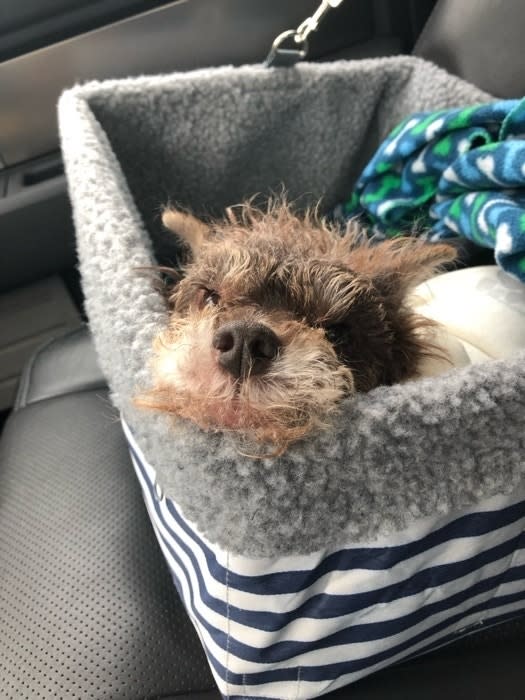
{"x":208,"y":139}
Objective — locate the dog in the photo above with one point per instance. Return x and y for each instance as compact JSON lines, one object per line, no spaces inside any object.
{"x":278,"y":316}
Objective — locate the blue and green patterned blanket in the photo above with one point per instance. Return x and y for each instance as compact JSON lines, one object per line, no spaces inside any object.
{"x":458,"y":172}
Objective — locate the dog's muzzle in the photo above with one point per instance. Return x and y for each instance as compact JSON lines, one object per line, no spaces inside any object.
{"x":245,"y":348}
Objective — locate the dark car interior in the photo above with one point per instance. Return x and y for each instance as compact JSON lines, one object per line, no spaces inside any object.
{"x":87,"y":606}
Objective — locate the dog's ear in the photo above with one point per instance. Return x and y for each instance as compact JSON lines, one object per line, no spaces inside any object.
{"x":398,"y":265}
{"x":192,"y":230}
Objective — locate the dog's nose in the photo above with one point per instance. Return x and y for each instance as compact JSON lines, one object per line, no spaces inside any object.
{"x":245,"y":348}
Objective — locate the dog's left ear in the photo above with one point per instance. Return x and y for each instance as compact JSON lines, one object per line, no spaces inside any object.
{"x":193,"y":231}
{"x":397,"y":266}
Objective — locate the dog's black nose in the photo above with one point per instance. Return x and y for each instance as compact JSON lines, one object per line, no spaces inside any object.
{"x":245,"y":348}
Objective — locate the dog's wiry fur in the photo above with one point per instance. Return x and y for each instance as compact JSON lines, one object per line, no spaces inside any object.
{"x":336,"y":304}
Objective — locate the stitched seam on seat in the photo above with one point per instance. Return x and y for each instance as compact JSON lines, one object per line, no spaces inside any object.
{"x":25,"y":381}
{"x":424,"y":31}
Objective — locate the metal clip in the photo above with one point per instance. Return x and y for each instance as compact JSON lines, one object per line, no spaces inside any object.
{"x":286,"y":50}
{"x":310,"y":24}
{"x":291,"y":46}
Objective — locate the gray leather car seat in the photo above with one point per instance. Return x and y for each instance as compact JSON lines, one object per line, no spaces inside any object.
{"x":479,"y":40}
{"x":87,"y":607}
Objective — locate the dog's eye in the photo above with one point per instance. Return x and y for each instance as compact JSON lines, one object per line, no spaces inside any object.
{"x":209,"y":297}
{"x":334,"y":334}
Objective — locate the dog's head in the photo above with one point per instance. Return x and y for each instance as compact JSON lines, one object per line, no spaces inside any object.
{"x":277,"y":317}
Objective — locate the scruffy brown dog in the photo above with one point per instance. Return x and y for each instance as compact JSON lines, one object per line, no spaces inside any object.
{"x":278,"y":316}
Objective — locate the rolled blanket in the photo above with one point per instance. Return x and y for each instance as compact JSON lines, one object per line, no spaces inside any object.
{"x":455,"y":172}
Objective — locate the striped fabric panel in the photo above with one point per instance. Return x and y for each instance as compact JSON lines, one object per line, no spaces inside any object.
{"x":300,"y":626}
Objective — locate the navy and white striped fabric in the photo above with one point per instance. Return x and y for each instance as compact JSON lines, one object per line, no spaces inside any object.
{"x":298,"y":627}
